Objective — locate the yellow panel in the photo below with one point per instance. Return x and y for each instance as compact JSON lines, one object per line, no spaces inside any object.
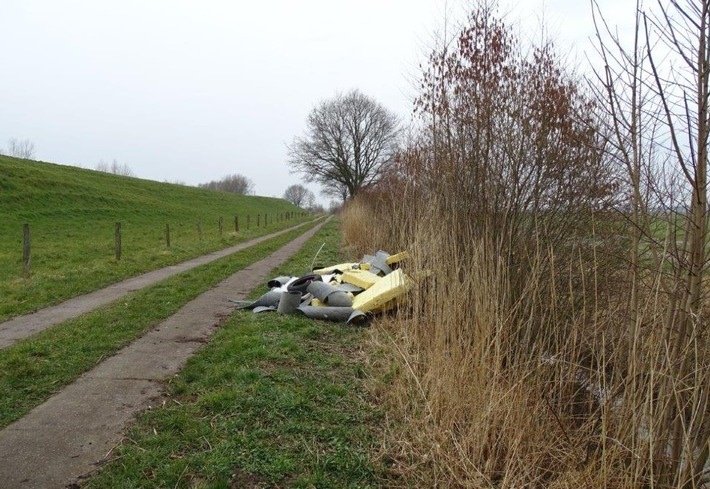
{"x":386,"y":289}
{"x":342,"y":267}
{"x":361,"y":278}
{"x":404,"y":255}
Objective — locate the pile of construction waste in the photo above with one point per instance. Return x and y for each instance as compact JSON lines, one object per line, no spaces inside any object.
{"x":346,"y":292}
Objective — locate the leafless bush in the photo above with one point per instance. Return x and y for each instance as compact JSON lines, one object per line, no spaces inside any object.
{"x":115,"y":168}
{"x":21,"y":148}
{"x":556,"y":336}
{"x":235,"y":183}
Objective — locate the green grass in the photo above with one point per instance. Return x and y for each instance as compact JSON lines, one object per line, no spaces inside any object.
{"x":33,"y":369}
{"x":72,"y":213}
{"x":271,"y":401}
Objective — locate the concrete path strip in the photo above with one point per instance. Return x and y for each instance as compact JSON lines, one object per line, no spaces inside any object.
{"x":77,"y":428}
{"x":25,"y":326}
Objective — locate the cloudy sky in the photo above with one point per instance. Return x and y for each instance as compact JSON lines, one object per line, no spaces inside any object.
{"x":190,"y":91}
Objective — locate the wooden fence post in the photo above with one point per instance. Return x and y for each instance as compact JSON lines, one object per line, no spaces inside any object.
{"x":258,"y":220}
{"x":167,"y":235}
{"x":117,"y":240}
{"x":220,"y":225}
{"x":26,"y":249}
{"x":236,"y":224}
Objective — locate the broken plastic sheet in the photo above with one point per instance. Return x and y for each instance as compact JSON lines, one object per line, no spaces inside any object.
{"x":280,"y":281}
{"x":289,"y":301}
{"x":330,"y":295}
{"x":270,"y":299}
{"x":346,"y":315}
{"x":345,"y":293}
{"x":378,"y":262}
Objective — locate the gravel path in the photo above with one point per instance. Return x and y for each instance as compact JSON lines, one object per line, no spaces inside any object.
{"x":25,"y":326}
{"x":68,"y":435}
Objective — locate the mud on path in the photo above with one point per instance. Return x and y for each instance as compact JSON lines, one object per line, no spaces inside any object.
{"x":25,"y":326}
{"x":77,"y":428}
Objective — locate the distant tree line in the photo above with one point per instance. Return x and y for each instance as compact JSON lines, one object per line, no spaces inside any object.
{"x":235,"y":183}
{"x":115,"y":168}
{"x":19,"y":148}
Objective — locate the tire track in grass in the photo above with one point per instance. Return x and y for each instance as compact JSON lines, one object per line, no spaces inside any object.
{"x":64,"y":436}
{"x":25,"y":326}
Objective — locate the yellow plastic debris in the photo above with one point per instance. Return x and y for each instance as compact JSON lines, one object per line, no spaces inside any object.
{"x":361,"y":278}
{"x":404,"y":255}
{"x":317,"y":303}
{"x":384,"y":290}
{"x":342,"y":267}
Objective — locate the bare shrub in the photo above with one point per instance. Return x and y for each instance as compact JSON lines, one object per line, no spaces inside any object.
{"x":557,"y":334}
{"x":235,"y":183}
{"x":115,"y":168}
{"x":21,"y":148}
{"x":515,"y":362}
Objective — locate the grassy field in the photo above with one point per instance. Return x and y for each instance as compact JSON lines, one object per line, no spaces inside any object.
{"x":271,"y":401}
{"x":72,"y":213}
{"x":33,"y":369}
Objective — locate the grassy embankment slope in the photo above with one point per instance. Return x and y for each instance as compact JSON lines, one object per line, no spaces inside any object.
{"x":72,"y":213}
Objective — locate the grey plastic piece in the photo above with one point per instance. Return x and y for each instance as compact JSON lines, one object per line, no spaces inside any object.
{"x":289,"y":302}
{"x":339,"y":299}
{"x":321,"y":290}
{"x":378,"y":263}
{"x":259,"y":309}
{"x":337,"y":314}
{"x":359,"y":318}
{"x":346,"y":315}
{"x":330,"y":295}
{"x":279,"y":281}
{"x":346,"y":287}
{"x":271,"y":298}
{"x":301,"y":284}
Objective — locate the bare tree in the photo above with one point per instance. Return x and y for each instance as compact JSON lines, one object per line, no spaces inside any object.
{"x":23,"y":148}
{"x":235,"y":183}
{"x":115,"y":168}
{"x":656,"y":93}
{"x":350,"y":140}
{"x":299,"y":196}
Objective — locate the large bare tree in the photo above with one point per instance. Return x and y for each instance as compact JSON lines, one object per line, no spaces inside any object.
{"x":299,"y":196}
{"x":349,"y":142}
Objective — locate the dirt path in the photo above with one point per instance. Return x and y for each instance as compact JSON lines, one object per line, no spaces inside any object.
{"x":77,"y":428}
{"x":25,"y":326}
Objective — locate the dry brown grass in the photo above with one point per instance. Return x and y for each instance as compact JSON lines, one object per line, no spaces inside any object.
{"x":557,"y":337}
{"x":487,"y":385}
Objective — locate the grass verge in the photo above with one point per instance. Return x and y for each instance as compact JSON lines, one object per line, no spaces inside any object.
{"x":72,"y":214}
{"x":271,"y":401}
{"x":31,"y":370}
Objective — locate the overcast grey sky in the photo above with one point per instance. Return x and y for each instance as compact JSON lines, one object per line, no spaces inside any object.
{"x":190,"y":91}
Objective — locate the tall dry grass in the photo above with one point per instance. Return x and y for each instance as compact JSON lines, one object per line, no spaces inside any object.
{"x":489,"y":387}
{"x":533,"y":352}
